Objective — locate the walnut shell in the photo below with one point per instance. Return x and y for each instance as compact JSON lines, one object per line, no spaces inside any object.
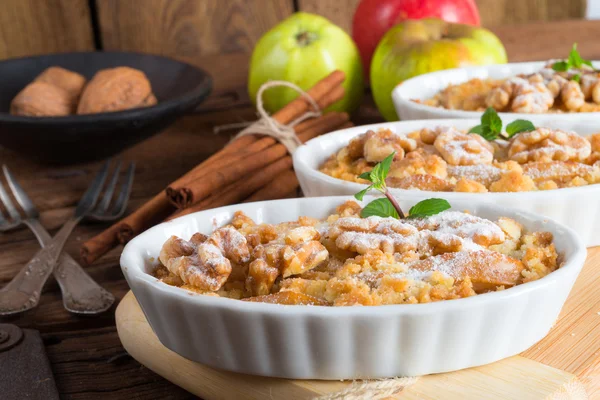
{"x":116,"y":89}
{"x":70,"y":81}
{"x":42,"y":99}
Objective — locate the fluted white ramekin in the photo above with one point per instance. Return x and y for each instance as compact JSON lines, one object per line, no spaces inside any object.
{"x":315,"y":342}
{"x":578,"y":208}
{"x":425,"y":86}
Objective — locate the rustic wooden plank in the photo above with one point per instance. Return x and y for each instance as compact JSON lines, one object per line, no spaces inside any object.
{"x":549,"y":40}
{"x":493,"y":12}
{"x":192,"y":30}
{"x":502,"y":12}
{"x":340,"y":12}
{"x":29,"y":27}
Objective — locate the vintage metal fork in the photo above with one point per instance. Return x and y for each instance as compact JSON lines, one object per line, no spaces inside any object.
{"x":79,"y":290}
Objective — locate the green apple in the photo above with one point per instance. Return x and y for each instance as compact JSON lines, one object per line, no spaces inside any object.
{"x":417,"y":47}
{"x":304,"y":49}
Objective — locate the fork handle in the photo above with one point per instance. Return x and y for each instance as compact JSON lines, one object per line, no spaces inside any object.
{"x":81,"y":294}
{"x":25,"y":293}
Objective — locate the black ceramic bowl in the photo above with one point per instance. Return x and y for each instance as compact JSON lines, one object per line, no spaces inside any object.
{"x":179,"y":88}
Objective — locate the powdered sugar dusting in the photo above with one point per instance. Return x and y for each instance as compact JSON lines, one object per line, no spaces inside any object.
{"x":483,"y":173}
{"x":479,"y":230}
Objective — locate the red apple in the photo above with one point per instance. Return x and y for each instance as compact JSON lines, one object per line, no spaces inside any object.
{"x":373,"y":18}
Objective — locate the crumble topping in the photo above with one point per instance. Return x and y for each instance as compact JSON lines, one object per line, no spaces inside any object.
{"x":446,"y":159}
{"x":347,"y":260}
{"x":545,"y":91}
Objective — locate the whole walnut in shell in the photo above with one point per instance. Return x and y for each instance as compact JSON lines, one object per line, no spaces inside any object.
{"x":116,"y":89}
{"x":54,"y":92}
{"x":41,"y":99}
{"x":70,"y":81}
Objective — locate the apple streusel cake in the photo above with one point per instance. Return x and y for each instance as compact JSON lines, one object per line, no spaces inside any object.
{"x":545,"y":91}
{"x":348,"y":260}
{"x":446,"y":159}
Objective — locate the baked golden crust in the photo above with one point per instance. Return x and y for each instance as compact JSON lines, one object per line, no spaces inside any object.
{"x":446,"y":160}
{"x":545,"y":91}
{"x":346,"y":260}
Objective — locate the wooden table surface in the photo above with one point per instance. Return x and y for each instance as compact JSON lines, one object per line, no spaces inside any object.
{"x":87,"y":358}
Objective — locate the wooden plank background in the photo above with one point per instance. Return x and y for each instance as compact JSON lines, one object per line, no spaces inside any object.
{"x":197,"y":29}
{"x":30,"y":27}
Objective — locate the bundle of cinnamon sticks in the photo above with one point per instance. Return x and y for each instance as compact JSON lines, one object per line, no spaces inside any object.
{"x":250,"y":168}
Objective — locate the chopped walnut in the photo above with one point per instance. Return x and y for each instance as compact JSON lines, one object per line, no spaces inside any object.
{"x":459,"y":148}
{"x":302,"y":257}
{"x":572,"y":96}
{"x":206,"y":265}
{"x":378,"y":145}
{"x":545,"y":144}
{"x":301,"y":234}
{"x":530,"y":97}
{"x":261,"y":277}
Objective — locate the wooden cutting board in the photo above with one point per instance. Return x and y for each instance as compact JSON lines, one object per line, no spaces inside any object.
{"x":564,"y":365}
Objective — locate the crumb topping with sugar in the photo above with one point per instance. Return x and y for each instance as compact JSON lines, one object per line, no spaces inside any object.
{"x":346,"y":260}
{"x":448,"y":160}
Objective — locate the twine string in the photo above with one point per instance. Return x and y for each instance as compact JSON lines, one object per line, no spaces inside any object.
{"x":267,"y":125}
{"x":373,"y":389}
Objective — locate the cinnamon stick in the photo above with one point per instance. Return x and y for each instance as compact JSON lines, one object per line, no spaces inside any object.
{"x":325,"y":92}
{"x":280,"y":187}
{"x":238,"y":191}
{"x":232,"y":169}
{"x":152,"y":212}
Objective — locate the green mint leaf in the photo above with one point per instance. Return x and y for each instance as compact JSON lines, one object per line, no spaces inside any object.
{"x":381,"y":170}
{"x":576,"y":78}
{"x":560,"y":66}
{"x":428,"y":207}
{"x":492,"y":120}
{"x":366,"y":175}
{"x":359,"y":196}
{"x":380,"y":207}
{"x":487,"y":133}
{"x":574,"y":58}
{"x":518,"y":126}
{"x":587,"y":62}
{"x":478,"y":129}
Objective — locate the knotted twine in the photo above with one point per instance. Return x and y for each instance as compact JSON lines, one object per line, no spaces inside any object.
{"x":268,"y":125}
{"x":371,"y":389}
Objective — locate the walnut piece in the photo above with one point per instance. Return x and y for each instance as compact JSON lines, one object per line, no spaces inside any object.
{"x":116,"y":89}
{"x":378,"y":145}
{"x":70,"y":81}
{"x":546,"y":145}
{"x":459,"y":148}
{"x":40,"y":99}
{"x":205,"y":266}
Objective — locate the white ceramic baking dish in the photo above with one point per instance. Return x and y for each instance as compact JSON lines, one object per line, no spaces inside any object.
{"x":425,"y":86}
{"x":314,"y":342}
{"x":578,"y":208}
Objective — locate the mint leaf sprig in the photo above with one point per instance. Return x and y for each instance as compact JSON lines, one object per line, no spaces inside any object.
{"x":377,"y":178}
{"x":388,"y":206}
{"x":574,"y":61}
{"x":491,"y":126}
